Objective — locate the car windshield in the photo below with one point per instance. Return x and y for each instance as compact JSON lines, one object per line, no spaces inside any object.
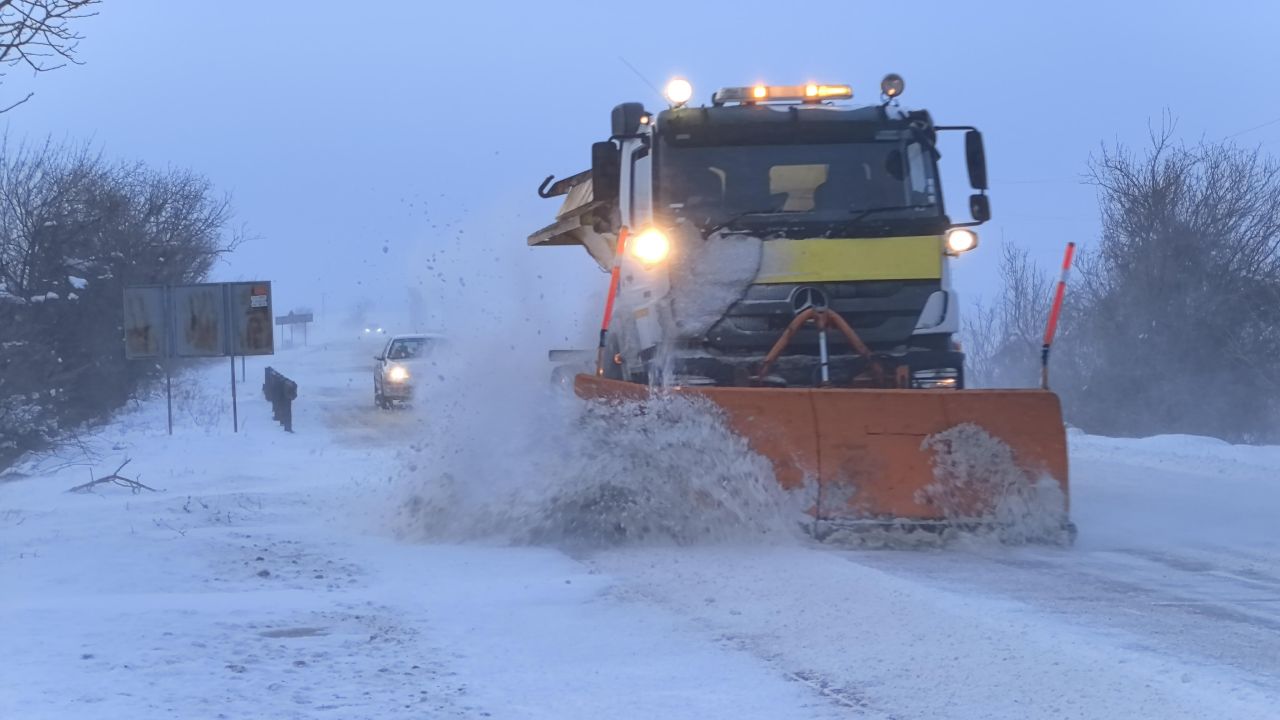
{"x":829,"y":182}
{"x":407,"y":348}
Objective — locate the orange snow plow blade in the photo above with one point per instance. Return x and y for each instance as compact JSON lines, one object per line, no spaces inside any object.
{"x":869,"y":451}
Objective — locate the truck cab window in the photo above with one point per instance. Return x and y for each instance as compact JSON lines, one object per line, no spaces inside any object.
{"x":825,"y":183}
{"x":798,"y":183}
{"x":923,"y":185}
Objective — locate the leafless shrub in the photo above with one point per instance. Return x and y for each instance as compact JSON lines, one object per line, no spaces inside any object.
{"x":1173,"y":317}
{"x":1003,"y":339}
{"x":1180,"y":322}
{"x":74,"y":231}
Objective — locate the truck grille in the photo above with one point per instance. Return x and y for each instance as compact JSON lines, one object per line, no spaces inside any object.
{"x":883,"y":313}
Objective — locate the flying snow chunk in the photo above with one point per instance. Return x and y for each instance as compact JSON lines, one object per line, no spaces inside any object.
{"x":78,"y":283}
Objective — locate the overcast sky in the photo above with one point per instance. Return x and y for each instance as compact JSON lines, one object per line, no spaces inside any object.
{"x":369,"y":146}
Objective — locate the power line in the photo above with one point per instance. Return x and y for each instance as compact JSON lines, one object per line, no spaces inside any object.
{"x":640,"y":75}
{"x":1256,"y":127}
{"x":1039,"y":182}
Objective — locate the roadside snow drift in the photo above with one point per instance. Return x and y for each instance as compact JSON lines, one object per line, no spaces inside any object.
{"x":263,"y":578}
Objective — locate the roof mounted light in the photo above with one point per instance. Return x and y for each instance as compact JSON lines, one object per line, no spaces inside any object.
{"x":678,"y":92}
{"x":892,"y":85}
{"x":810,"y":92}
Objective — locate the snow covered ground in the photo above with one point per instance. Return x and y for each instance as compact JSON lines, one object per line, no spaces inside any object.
{"x":265,"y":579}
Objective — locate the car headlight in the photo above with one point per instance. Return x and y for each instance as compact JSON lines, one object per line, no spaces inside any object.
{"x":936,"y":379}
{"x":397,"y":374}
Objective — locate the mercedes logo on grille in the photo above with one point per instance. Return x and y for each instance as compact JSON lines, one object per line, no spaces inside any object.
{"x":805,"y":297}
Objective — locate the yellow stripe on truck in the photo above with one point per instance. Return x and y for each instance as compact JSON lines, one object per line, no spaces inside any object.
{"x":917,"y":257}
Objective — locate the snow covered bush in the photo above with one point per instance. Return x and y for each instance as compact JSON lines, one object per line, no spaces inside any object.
{"x":74,"y":231}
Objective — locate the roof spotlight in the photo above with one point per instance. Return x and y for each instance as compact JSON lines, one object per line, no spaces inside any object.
{"x":892,"y":85}
{"x":678,"y":91}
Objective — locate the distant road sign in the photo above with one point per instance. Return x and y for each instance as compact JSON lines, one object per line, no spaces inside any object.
{"x":145,"y":331}
{"x":294,"y":319}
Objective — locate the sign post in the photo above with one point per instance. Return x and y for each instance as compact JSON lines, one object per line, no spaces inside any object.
{"x":235,"y":408}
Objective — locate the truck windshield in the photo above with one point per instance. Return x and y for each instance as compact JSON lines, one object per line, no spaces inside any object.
{"x":826,"y":183}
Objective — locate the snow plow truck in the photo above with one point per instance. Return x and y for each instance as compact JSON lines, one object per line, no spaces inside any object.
{"x":786,"y":254}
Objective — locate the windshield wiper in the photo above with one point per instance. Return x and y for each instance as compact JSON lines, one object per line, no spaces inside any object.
{"x":712,"y":229}
{"x":890,"y":208}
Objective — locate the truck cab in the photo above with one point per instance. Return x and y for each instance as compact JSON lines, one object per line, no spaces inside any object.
{"x":738,"y":215}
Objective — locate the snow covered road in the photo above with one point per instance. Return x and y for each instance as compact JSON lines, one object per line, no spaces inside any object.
{"x":263,"y":582}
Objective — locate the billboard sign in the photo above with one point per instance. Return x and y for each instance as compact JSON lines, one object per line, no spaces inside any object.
{"x":250,"y":318}
{"x":205,"y":320}
{"x":199,"y":320}
{"x":145,"y":328}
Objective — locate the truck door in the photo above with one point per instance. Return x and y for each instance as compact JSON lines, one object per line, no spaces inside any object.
{"x":641,"y":187}
{"x":636,"y":186}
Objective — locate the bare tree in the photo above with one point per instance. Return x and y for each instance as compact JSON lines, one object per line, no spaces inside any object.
{"x":74,"y":231}
{"x":1003,"y":339}
{"x":1180,"y":325}
{"x":1172,"y":324}
{"x":39,"y":35}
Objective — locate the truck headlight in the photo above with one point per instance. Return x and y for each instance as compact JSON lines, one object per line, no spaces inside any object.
{"x":397,"y":374}
{"x":961,"y":240}
{"x":650,"y":247}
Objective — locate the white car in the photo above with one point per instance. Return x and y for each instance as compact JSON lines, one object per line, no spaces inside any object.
{"x":400,"y":364}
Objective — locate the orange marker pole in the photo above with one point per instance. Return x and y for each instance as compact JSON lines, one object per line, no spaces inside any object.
{"x":613,"y":292}
{"x":1056,"y":310}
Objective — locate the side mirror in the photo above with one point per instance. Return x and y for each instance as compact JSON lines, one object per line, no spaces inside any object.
{"x":606,"y":171}
{"x":378,"y":358}
{"x":625,"y":119}
{"x":976,"y":157}
{"x":979,"y":208}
